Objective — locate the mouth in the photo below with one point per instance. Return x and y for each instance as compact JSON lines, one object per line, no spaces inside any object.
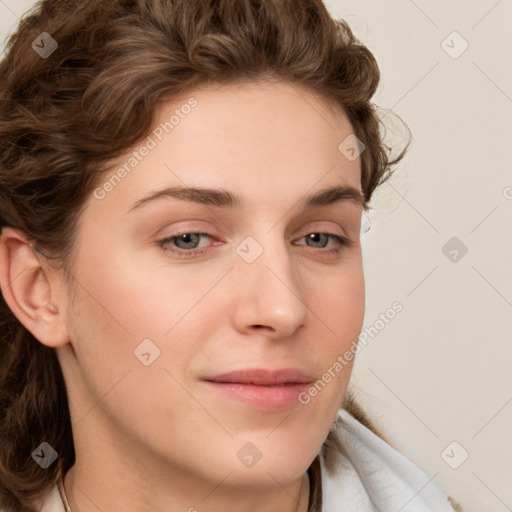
{"x":262,"y":388}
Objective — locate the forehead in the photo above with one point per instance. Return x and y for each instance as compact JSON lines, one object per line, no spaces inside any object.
{"x":262,"y":107}
{"x":265,"y":139}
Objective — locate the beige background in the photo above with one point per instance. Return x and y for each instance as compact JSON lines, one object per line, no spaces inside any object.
{"x":439,"y":372}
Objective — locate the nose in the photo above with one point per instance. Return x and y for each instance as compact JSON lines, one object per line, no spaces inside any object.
{"x":268,"y":295}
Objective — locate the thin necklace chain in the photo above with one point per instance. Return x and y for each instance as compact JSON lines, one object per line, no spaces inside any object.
{"x":67,"y":508}
{"x":63,"y":496}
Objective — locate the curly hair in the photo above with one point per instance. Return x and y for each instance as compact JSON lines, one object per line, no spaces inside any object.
{"x":65,"y":115}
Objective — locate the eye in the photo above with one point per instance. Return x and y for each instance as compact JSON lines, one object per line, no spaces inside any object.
{"x":188,"y":240}
{"x":323,"y":238}
{"x":186,"y":243}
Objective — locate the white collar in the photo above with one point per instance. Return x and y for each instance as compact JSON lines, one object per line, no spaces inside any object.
{"x":371,"y":476}
{"x":53,"y":502}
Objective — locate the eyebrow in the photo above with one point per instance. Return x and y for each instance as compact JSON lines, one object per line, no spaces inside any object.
{"x":222,"y":198}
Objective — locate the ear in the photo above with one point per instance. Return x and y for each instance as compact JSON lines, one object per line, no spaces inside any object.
{"x":27,"y":289}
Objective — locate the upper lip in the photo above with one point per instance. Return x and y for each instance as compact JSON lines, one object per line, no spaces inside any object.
{"x":263,"y":376}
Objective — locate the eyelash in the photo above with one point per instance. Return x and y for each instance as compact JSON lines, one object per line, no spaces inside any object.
{"x":344,"y":243}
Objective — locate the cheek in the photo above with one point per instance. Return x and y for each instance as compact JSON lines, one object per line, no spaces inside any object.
{"x":118,"y":305}
{"x":123,"y":300}
{"x":339,"y":303}
{"x":340,"y":306}
{"x":128,"y":298}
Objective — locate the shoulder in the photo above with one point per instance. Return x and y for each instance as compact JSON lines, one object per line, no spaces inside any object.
{"x":351,"y":405}
{"x":356,"y":451}
{"x":52,"y":502}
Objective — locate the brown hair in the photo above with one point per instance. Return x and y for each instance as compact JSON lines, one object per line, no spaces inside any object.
{"x":64,"y":116}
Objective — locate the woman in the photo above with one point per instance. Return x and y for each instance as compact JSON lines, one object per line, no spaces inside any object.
{"x":183,"y":183}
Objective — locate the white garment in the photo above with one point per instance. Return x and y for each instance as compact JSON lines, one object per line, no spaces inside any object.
{"x":53,"y":502}
{"x":372,"y":477}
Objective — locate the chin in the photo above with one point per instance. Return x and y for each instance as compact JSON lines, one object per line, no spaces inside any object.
{"x":260,"y":460}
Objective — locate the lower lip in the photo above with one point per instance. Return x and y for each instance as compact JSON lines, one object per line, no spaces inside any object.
{"x":263,"y":397}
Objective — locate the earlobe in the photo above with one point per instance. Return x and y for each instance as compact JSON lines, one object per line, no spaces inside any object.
{"x":26,"y":288}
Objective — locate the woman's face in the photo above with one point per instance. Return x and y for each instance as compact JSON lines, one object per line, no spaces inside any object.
{"x":154,"y":326}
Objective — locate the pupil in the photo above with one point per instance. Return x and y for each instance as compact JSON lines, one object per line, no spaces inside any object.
{"x":314,"y":236}
{"x":186,"y":238}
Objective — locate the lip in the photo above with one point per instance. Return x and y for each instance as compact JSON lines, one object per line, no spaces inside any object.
{"x":262,"y":388}
{"x":263,"y":377}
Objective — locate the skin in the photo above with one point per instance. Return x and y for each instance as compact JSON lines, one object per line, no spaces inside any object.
{"x":157,"y":437}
